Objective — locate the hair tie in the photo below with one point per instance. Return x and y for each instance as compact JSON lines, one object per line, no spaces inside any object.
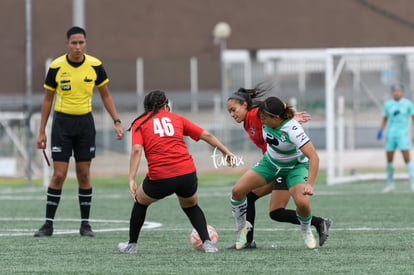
{"x":238,"y":97}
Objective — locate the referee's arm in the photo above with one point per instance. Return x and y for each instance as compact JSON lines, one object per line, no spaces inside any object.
{"x":110,"y":107}
{"x":46,"y":108}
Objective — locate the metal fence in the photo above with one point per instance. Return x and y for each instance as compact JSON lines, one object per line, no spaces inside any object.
{"x":192,"y":84}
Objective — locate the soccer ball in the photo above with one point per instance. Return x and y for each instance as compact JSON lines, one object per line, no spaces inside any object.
{"x":196,"y":241}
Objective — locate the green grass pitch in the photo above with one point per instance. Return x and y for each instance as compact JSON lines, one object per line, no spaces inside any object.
{"x":372,"y":233}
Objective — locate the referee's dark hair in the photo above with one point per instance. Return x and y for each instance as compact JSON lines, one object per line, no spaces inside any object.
{"x":75,"y":30}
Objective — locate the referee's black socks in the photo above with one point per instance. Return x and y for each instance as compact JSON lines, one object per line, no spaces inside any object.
{"x":85,"y":201}
{"x":52,"y":203}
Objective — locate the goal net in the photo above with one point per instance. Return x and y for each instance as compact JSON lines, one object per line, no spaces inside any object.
{"x":357,"y":83}
{"x":343,"y":89}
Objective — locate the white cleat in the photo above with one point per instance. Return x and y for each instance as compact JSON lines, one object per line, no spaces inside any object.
{"x":209,"y":247}
{"x":241,"y":238}
{"x":388,"y":188}
{"x":309,"y":239}
{"x":127,"y":248}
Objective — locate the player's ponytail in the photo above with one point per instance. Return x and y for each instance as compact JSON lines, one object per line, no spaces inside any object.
{"x":273,"y":106}
{"x":153,"y":102}
{"x":248,"y":95}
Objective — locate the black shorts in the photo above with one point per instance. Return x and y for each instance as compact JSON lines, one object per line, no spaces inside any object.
{"x":184,"y":186}
{"x":73,"y":134}
{"x":280,"y":184}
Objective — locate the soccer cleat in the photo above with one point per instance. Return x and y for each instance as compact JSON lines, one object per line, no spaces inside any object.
{"x":127,"y":248}
{"x":388,"y":188}
{"x":241,"y":238}
{"x":45,"y":231}
{"x":86,"y":230}
{"x":323,"y":230}
{"x":251,"y":245}
{"x":209,"y":247}
{"x":309,"y":239}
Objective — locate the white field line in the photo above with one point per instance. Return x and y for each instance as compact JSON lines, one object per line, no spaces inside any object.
{"x":43,"y":197}
{"x":64,"y":220}
{"x":29,"y":232}
{"x":159,"y":227}
{"x":203,"y":194}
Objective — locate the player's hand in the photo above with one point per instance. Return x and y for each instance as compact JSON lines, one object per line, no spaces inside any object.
{"x":231,"y":159}
{"x":302,"y":117}
{"x":379,"y":134}
{"x":133,"y":190}
{"x":308,"y":190}
{"x":119,"y":131}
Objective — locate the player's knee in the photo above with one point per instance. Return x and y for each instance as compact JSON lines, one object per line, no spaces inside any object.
{"x":188,"y":202}
{"x":277,"y":215}
{"x":237,"y":193}
{"x":302,"y":202}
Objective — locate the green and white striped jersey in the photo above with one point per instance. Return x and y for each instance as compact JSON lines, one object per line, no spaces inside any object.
{"x":284,"y":143}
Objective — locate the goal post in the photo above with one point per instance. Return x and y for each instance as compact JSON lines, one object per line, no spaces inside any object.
{"x":357,"y":81}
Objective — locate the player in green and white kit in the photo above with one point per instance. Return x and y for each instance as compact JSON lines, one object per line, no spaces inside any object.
{"x":290,"y":154}
{"x":396,"y":118}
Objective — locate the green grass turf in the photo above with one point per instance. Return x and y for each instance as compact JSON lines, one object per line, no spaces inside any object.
{"x":372,"y":233}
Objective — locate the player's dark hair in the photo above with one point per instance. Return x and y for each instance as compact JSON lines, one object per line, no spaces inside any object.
{"x":397,"y":86}
{"x":273,"y":106}
{"x":75,"y":30}
{"x":248,"y":95}
{"x":153,"y":102}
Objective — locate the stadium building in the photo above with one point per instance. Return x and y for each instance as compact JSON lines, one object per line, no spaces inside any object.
{"x":166,"y":34}
{"x":174,"y":46}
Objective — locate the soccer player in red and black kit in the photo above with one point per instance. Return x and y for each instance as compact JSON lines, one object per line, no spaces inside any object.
{"x":71,"y":78}
{"x":160,"y":134}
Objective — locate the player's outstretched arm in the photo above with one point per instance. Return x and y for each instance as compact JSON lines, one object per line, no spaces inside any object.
{"x":213,"y":141}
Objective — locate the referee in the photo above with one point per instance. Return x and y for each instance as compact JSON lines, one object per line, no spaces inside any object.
{"x":71,"y":79}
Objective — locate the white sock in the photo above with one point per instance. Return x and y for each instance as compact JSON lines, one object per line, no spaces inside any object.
{"x":410,"y":171}
{"x":305,"y":223}
{"x":390,"y":174}
{"x":239,"y":210}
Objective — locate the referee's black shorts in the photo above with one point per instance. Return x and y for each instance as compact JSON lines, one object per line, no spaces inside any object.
{"x":73,"y":134}
{"x":184,"y":186}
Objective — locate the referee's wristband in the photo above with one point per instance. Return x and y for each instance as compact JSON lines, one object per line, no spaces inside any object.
{"x":117,"y":121}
